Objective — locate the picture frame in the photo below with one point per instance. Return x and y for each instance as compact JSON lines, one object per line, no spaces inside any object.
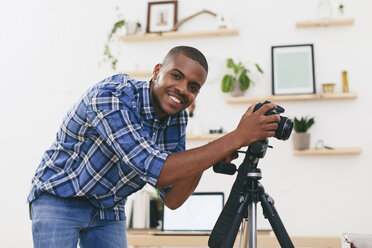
{"x":293,"y":69}
{"x":161,"y":16}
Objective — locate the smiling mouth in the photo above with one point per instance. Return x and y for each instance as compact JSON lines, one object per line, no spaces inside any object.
{"x":176,"y":100}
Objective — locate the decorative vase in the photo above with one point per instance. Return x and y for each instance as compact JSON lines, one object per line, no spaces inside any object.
{"x":237,"y":91}
{"x":301,"y":141}
{"x":324,"y":9}
{"x":132,"y":28}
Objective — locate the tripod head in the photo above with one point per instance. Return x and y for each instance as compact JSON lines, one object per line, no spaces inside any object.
{"x":258,"y":148}
{"x":254,"y":152}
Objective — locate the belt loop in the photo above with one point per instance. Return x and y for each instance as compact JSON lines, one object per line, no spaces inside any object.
{"x":29,"y":211}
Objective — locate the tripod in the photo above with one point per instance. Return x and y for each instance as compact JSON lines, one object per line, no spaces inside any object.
{"x":246,"y":192}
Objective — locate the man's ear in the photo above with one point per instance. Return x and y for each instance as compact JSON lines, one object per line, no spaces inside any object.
{"x":156,"y":71}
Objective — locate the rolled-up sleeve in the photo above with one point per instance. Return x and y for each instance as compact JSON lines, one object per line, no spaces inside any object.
{"x":180,"y":147}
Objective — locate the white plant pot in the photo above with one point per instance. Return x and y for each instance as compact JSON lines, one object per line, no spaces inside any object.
{"x":237,"y":91}
{"x":301,"y":141}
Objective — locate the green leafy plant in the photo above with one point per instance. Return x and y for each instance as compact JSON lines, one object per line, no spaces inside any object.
{"x":108,"y":54}
{"x":302,"y":125}
{"x":341,"y":8}
{"x":240,"y":73}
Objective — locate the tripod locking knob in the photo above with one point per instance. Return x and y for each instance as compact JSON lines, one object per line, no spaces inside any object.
{"x":270,"y":200}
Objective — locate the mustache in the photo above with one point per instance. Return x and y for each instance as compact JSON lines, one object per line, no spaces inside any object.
{"x":180,"y":95}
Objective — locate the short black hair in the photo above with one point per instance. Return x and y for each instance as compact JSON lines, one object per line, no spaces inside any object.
{"x":189,"y":52}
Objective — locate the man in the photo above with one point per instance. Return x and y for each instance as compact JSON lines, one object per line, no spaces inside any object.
{"x":119,"y":136}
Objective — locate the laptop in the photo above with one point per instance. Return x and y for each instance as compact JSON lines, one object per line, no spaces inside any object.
{"x":197,"y":216}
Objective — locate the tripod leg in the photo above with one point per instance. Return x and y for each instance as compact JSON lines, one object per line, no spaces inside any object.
{"x":252,"y":217}
{"x":270,"y":213}
{"x":230,"y":237}
{"x":244,"y":234}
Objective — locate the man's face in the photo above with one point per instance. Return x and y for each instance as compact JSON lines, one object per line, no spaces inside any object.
{"x":176,"y":84}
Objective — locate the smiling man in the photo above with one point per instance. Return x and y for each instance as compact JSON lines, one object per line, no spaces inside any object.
{"x":119,"y":136}
{"x":177,"y":82}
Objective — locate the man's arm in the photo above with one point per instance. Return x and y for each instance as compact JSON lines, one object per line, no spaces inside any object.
{"x":189,"y":164}
{"x":179,"y":193}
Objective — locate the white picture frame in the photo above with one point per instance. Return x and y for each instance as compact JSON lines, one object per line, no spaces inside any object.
{"x":161,"y":16}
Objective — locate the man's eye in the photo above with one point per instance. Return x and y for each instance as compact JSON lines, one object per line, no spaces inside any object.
{"x":176,"y":76}
{"x":194,"y":89}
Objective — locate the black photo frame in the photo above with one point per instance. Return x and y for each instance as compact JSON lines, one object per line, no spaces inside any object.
{"x":293,"y":69}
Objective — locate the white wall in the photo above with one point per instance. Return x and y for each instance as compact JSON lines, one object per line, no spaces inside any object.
{"x":50,"y":52}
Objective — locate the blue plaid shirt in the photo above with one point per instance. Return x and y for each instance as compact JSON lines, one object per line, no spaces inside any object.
{"x":110,"y":144}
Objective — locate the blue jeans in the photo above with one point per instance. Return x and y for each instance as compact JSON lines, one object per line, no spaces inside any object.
{"x":62,"y":222}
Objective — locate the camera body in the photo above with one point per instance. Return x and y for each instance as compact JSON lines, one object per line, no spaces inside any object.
{"x":285,"y":125}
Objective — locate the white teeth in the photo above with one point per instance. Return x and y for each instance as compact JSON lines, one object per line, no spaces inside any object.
{"x":175,"y":99}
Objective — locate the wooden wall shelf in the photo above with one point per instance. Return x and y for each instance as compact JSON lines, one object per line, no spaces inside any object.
{"x":325,"y":22}
{"x":139,"y":73}
{"x":179,"y":35}
{"x":308,"y":152}
{"x":207,"y":136}
{"x":286,"y":98}
{"x":336,"y":151}
{"x":181,"y":240}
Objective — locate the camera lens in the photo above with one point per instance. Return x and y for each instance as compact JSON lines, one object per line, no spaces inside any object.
{"x":285,"y":127}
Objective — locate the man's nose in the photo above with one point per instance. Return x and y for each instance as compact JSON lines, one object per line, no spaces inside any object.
{"x":182,"y":87}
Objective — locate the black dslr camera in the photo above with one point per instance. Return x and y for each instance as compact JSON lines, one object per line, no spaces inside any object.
{"x":285,"y":125}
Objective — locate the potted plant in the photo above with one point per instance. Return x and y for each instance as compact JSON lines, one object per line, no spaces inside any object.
{"x":301,"y":138}
{"x":130,"y":27}
{"x":239,"y":80}
{"x":109,"y":54}
{"x":156,"y":210}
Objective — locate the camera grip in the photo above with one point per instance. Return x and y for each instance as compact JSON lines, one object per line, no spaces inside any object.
{"x":224,"y":168}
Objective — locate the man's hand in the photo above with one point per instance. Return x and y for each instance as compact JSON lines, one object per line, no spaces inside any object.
{"x":189,"y":164}
{"x":254,"y":126}
{"x":231,"y":157}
